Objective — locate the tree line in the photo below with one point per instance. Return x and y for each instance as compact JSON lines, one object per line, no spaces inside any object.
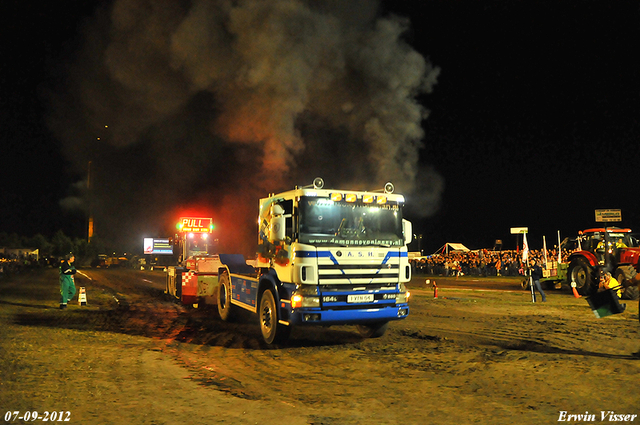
{"x":57,"y":245}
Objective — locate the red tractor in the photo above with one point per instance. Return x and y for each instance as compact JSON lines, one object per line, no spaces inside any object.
{"x":604,"y":249}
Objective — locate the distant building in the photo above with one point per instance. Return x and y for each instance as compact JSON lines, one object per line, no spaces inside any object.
{"x":20,"y":253}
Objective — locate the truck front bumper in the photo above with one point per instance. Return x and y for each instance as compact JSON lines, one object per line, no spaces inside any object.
{"x":317,"y":316}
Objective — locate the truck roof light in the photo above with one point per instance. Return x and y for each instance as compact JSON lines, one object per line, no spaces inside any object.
{"x":381,"y":200}
{"x":367,"y":199}
{"x":350,"y":197}
{"x":336,"y":197}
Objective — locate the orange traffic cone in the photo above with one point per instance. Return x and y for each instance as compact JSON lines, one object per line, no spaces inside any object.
{"x":575,"y":291}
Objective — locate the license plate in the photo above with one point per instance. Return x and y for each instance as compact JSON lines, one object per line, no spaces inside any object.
{"x":364,"y":298}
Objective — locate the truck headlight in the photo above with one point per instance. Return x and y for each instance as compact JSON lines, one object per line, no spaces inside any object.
{"x":305,"y":297}
{"x":298,"y":300}
{"x":403,"y":295}
{"x":311,"y":302}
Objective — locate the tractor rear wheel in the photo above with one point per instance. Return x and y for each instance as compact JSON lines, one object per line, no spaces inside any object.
{"x":631,"y":292}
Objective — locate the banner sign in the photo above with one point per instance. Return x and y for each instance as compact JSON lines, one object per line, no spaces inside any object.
{"x":157,"y":246}
{"x":195,"y":224}
{"x":608,"y":215}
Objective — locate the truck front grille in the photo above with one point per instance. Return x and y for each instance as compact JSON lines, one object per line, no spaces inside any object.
{"x":357,"y":274}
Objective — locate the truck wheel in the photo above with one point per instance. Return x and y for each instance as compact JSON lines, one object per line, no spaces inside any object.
{"x":272,"y":331}
{"x":225,"y":308}
{"x":373,"y":330}
{"x":580,"y":273}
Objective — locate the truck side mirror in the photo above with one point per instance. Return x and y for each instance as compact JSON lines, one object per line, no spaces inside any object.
{"x":277,"y":229}
{"x":277,"y":224}
{"x":407,"y":229}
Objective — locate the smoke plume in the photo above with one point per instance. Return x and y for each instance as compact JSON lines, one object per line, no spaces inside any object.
{"x":205,"y":106}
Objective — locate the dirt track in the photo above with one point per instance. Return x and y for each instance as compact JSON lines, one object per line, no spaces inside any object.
{"x":469,"y":356}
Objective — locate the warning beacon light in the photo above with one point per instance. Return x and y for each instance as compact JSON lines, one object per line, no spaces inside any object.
{"x":195,"y":225}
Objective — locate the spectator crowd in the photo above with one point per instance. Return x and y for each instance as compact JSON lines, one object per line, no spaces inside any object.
{"x":482,"y":262}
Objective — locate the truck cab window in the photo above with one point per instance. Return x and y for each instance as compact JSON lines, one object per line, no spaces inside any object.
{"x":287,"y":206}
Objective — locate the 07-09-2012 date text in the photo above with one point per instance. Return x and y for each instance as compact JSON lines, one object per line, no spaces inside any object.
{"x":30,"y":416}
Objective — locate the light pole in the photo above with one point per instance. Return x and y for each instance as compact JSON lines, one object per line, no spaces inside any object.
{"x":90,"y":202}
{"x":90,"y":224}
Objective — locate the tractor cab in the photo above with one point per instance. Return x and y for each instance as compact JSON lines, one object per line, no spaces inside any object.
{"x":606,"y":244}
{"x":610,"y":249}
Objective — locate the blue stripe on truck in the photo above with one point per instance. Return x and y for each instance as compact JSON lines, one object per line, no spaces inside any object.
{"x":328,"y":254}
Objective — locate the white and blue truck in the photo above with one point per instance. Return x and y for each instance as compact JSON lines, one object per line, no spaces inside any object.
{"x":325,"y":257}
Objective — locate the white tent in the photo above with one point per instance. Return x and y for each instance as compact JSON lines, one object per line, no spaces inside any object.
{"x":452,"y":247}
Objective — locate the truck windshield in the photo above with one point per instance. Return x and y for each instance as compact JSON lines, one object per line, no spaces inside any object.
{"x":325,"y":222}
{"x":198,"y":244}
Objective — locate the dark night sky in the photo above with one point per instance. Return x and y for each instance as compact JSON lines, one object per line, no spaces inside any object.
{"x":533,"y":121}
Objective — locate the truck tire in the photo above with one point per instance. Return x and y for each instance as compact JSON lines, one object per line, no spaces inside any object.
{"x":580,"y":273}
{"x":225,"y":308}
{"x":272,"y":331}
{"x":373,"y":330}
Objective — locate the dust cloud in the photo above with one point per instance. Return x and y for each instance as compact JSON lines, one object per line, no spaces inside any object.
{"x":206,"y":106}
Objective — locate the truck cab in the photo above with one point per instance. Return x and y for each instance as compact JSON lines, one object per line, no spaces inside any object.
{"x":195,"y":275}
{"x":325,"y":257}
{"x":335,"y":257}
